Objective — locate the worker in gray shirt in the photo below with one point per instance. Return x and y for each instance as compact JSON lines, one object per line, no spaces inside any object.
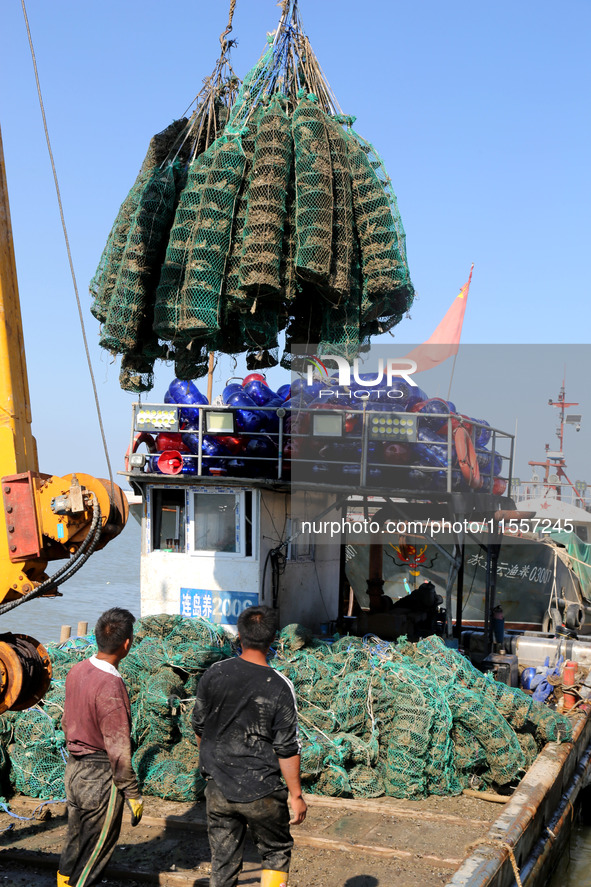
{"x":245,"y":718}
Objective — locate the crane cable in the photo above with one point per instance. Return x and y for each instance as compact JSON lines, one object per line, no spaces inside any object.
{"x":67,"y":241}
{"x":223,"y":42}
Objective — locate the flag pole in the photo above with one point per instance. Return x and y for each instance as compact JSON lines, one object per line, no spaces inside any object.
{"x":452,"y":376}
{"x":456,"y":354}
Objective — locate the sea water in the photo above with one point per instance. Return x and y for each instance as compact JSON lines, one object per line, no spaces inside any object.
{"x":574,"y":868}
{"x":109,"y":578}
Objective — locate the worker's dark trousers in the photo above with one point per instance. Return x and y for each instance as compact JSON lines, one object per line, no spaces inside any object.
{"x":268,"y":821}
{"x":95,"y":810}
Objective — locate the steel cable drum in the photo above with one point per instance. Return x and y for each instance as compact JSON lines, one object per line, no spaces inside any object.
{"x":260,"y":264}
{"x":314,"y":193}
{"x":105,"y":278}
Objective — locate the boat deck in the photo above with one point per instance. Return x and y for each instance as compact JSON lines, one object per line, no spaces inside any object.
{"x":342,"y":842}
{"x":383,"y":842}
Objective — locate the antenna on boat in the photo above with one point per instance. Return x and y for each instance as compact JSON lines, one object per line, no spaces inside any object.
{"x":555,"y":463}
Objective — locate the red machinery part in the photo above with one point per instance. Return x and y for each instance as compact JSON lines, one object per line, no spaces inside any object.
{"x":170,"y":462}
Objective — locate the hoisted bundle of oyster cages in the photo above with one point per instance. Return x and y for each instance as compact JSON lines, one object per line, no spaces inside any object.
{"x":400,"y":719}
{"x":265,"y":212}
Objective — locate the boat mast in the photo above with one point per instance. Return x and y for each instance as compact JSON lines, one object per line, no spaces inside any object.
{"x":555,"y":461}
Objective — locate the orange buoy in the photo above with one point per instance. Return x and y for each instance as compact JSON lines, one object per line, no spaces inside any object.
{"x":467,"y":457}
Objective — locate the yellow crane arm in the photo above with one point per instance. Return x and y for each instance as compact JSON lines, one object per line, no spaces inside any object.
{"x":44,"y":517}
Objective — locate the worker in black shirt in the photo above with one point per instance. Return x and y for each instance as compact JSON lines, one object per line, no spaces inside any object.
{"x":245,"y":718}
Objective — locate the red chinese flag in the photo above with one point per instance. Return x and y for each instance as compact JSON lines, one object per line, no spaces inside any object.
{"x":445,"y":340}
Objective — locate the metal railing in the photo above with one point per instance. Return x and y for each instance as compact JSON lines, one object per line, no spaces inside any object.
{"x":539,"y":489}
{"x":324,"y":445}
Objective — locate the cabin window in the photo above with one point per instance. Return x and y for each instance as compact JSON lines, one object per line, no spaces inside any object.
{"x":216,"y":522}
{"x":168,"y":520}
{"x":301,"y":547}
{"x":223,"y":522}
{"x":581,"y":532}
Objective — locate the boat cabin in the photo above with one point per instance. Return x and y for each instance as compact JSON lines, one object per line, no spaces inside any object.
{"x":235,"y":516}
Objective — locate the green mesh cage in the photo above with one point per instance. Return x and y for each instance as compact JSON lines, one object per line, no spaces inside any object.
{"x":265,"y":212}
{"x":313,"y":192}
{"x":262,"y":239}
{"x":104,"y":282}
{"x":401,"y":719}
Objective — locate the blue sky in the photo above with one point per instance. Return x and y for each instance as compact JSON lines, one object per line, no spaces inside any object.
{"x":479,"y":110}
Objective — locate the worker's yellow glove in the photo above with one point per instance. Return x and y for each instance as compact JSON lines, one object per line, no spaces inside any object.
{"x":136,"y":805}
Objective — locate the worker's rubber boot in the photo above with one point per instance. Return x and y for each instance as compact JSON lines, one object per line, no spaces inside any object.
{"x":63,"y":880}
{"x":269,"y":878}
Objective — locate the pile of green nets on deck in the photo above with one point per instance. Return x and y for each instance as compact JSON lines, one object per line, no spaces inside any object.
{"x":282,"y":219}
{"x":400,"y":719}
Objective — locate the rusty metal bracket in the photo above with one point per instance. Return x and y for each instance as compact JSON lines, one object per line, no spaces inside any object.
{"x":20,"y":513}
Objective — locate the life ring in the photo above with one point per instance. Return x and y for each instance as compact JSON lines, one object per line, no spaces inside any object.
{"x":140,"y":438}
{"x":467,"y":457}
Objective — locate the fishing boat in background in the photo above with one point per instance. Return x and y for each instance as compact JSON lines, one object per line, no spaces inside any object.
{"x":543,"y":570}
{"x":562,"y":517}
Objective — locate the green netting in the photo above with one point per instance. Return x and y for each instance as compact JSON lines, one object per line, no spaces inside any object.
{"x":286,"y":220}
{"x":190,"y":362}
{"x":137,"y":370}
{"x":314,"y":200}
{"x":112,"y":263}
{"x":333,"y":781}
{"x":387,"y":293}
{"x":343,"y":232}
{"x":166,"y":776}
{"x":236,"y":299}
{"x":156,"y":709}
{"x":407,"y":720}
{"x":172,"y":275}
{"x":478,"y":714}
{"x":365,"y":782}
{"x":37,"y":757}
{"x":266,"y":203}
{"x":529,"y":747}
{"x":133,"y":292}
{"x":192,"y":309}
{"x":579,"y":557}
{"x":467,"y":750}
